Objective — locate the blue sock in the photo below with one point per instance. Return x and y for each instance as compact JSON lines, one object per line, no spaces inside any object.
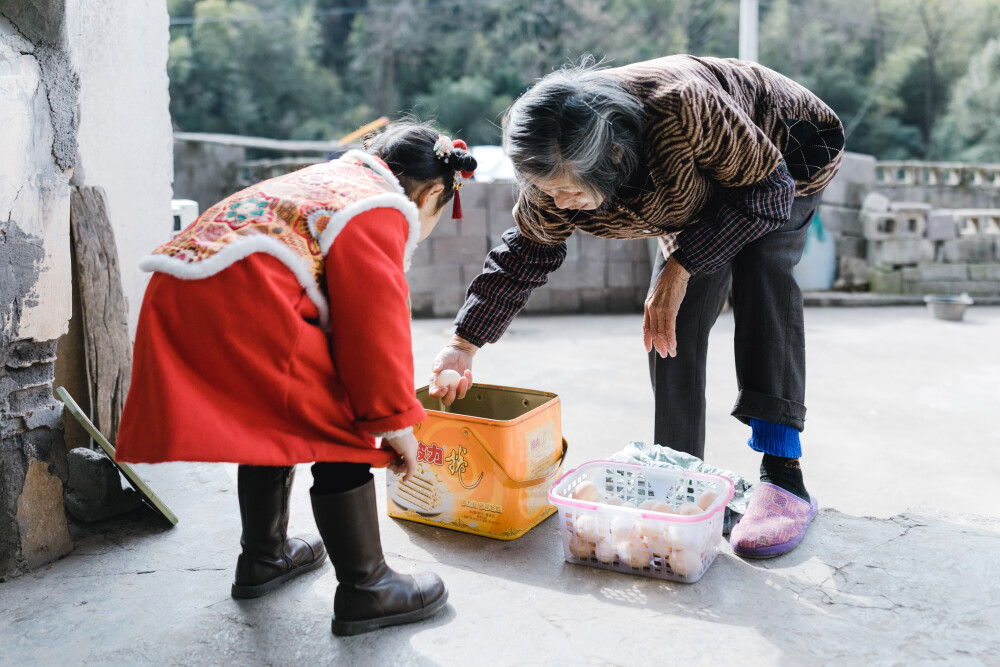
{"x":775,"y":439}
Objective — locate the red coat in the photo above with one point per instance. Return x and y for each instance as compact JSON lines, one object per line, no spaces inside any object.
{"x":235,"y":366}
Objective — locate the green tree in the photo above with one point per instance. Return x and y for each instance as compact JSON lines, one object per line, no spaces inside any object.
{"x":969,"y":129}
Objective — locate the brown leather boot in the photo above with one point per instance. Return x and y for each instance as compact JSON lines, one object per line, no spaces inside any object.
{"x":269,"y":556}
{"x":370,"y":594}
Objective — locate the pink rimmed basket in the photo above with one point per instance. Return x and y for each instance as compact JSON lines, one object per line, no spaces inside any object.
{"x":625,"y":538}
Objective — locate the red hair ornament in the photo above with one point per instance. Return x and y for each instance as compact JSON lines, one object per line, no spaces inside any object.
{"x":443,"y":147}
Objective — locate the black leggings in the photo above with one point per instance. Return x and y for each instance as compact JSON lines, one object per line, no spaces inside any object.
{"x":337,"y":477}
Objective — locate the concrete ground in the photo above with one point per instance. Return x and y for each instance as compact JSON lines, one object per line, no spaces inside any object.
{"x":902,"y":565}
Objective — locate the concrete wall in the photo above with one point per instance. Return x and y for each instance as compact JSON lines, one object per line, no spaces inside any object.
{"x":83,"y":96}
{"x":126,"y":140}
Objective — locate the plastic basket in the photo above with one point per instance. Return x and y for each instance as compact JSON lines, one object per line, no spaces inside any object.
{"x":625,"y":538}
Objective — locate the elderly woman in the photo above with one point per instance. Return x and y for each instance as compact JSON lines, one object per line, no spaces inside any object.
{"x":723,"y":161}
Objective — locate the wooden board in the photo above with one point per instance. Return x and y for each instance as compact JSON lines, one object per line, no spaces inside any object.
{"x":134,"y":480}
{"x":107,"y":347}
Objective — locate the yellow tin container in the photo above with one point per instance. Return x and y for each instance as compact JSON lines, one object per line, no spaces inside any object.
{"x":485,"y":466}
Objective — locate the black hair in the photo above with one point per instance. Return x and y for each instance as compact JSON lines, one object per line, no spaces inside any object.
{"x":407,"y":147}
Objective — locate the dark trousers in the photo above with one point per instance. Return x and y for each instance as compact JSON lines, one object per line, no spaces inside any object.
{"x":769,"y":340}
{"x":337,"y":477}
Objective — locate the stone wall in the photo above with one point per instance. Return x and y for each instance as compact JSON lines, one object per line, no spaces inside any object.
{"x":84,"y":98}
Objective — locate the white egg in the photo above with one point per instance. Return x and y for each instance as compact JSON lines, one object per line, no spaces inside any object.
{"x":448,"y":378}
{"x":648,"y":504}
{"x":587,"y":490}
{"x":706,"y":499}
{"x":615,"y":501}
{"x":685,"y":562}
{"x":662,"y":507}
{"x":635,"y":552}
{"x":689,"y":509}
{"x":605,"y":551}
{"x":586,"y":528}
{"x":659,"y":541}
{"x":579,"y":549}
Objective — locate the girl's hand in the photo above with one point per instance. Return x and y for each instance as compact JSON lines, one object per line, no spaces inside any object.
{"x":662,"y":305}
{"x":405,"y":463}
{"x":457,"y":356}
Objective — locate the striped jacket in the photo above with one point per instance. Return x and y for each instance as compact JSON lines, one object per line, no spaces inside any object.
{"x":727,"y":145}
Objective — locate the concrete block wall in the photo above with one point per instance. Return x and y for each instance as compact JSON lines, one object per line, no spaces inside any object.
{"x":598,"y":276}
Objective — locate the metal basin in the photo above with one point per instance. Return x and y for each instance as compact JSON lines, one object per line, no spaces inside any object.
{"x":947,"y":306}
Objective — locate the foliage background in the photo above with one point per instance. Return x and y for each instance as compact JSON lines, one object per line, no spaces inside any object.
{"x":910,"y":78}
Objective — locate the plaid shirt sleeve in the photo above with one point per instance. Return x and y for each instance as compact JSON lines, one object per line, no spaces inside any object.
{"x":739,"y":216}
{"x":511,"y":271}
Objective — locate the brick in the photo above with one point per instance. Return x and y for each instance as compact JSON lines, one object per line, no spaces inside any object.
{"x":27,"y":353}
{"x":931,"y":272}
{"x":620,"y":274}
{"x":458,"y":250}
{"x":969,"y":250}
{"x":430,"y":278}
{"x":885,"y":282}
{"x":850,"y":246}
{"x":984,"y":272}
{"x":594,"y":301}
{"x":33,"y":376}
{"x":26,"y":401}
{"x":899,"y":252}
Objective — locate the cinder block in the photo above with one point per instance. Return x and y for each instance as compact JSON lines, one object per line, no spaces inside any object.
{"x":620,"y":249}
{"x":911,"y":274}
{"x":893,"y":224}
{"x":875,"y":202}
{"x":591,"y":273}
{"x":931,"y":272}
{"x":941,"y":226}
{"x":473,"y":223}
{"x":969,"y":250}
{"x":885,"y":282}
{"x":422,"y":304}
{"x":594,"y":300}
{"x":565,"y":277}
{"x":642,"y":274}
{"x":620,"y":274}
{"x":900,"y":252}
{"x":458,"y":250}
{"x":852,"y":271}
{"x":540,"y":301}
{"x":840,"y":220}
{"x":850,"y":246}
{"x":984,"y":272}
{"x":566,"y":301}
{"x":981,"y":287}
{"x":470,"y":272}
{"x":431,"y":277}
{"x":622,"y":300}
{"x":445,"y":228}
{"x":971,"y":287}
{"x":593,"y":248}
{"x":448,"y":301}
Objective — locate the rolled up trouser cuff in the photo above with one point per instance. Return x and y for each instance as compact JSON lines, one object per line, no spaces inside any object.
{"x":754,"y":405}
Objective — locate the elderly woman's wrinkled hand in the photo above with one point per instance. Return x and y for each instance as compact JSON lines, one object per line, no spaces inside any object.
{"x":662,"y":305}
{"x":457,"y":356}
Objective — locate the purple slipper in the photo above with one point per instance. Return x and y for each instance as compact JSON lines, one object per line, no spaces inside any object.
{"x":774,"y":523}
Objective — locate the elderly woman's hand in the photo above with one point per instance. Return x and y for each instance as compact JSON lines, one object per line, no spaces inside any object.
{"x":457,"y":356}
{"x":405,"y":463}
{"x":662,"y":304}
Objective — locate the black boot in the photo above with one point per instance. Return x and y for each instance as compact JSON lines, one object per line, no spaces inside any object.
{"x":269,"y":556}
{"x":370,"y":594}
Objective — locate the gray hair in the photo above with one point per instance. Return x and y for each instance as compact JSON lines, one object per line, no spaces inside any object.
{"x":576,"y":123}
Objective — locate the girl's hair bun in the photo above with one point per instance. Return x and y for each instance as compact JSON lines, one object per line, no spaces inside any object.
{"x":463,"y":160}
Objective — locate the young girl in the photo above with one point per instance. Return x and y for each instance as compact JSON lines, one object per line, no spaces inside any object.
{"x":275,"y":331}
